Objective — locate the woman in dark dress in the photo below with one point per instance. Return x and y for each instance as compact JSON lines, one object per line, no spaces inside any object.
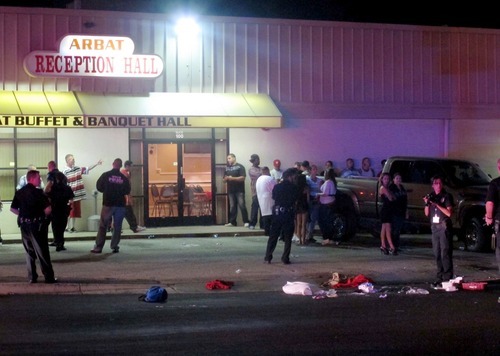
{"x":400,"y":208}
{"x":386,"y":214}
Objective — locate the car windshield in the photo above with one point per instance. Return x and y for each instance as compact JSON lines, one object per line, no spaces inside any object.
{"x":464,"y":174}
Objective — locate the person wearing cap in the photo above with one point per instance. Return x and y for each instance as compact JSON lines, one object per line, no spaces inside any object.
{"x":129,"y":211}
{"x":276,"y":172}
{"x":254,"y":172}
{"x":234,"y":177}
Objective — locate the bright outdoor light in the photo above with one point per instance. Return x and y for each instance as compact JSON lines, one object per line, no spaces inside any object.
{"x":187,"y":28}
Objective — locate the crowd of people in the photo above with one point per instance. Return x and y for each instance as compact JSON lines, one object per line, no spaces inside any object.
{"x":37,"y":206}
{"x":287,"y":205}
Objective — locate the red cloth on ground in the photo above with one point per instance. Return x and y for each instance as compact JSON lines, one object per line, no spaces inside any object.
{"x":219,"y":284}
{"x":353,"y":282}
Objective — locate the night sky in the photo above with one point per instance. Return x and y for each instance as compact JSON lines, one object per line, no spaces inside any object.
{"x":479,"y":13}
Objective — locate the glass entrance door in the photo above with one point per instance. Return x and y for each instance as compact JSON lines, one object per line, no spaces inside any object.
{"x":179,"y":181}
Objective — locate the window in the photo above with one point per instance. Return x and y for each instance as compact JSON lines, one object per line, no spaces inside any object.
{"x":21,"y":147}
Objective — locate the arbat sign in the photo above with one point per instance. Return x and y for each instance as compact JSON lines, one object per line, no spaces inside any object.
{"x":93,"y":56}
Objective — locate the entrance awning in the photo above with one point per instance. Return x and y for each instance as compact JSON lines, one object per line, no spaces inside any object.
{"x":92,"y":110}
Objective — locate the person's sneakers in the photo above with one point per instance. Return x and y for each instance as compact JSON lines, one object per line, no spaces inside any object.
{"x":95,"y":251}
{"x":139,"y":229}
{"x":251,"y":227}
{"x":51,"y":280}
{"x":60,"y":248}
{"x":295,"y":238}
{"x":115,"y":250}
{"x":229,"y":225}
{"x":71,"y":230}
{"x":246,"y":225}
{"x":53,"y":244}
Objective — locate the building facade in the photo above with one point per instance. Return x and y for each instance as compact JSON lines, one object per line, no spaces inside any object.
{"x":102,"y":85}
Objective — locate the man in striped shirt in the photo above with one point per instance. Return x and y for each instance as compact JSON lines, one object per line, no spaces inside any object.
{"x":75,"y":181}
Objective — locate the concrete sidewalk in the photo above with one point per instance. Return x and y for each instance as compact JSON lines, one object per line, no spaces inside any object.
{"x":154,"y":232}
{"x":184,"y":259}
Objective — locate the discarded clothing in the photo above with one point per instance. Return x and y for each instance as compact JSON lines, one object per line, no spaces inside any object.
{"x":219,"y":284}
{"x":297,"y":288}
{"x":336,"y":279}
{"x":353,"y":282}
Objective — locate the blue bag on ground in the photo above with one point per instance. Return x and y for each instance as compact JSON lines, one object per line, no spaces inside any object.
{"x":155,"y":294}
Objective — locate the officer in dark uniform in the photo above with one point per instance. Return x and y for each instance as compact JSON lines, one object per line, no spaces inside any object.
{"x":285,"y":195}
{"x":33,"y":208}
{"x":439,"y":207}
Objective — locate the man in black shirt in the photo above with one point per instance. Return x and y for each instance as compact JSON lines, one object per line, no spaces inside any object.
{"x":115,"y":186}
{"x":285,"y":195}
{"x":33,"y":208}
{"x":234,"y":177}
{"x":439,"y":207}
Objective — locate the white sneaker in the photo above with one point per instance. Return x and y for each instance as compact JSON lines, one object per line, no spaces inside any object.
{"x":295,"y":238}
{"x":140,"y":228}
{"x":229,"y":225}
{"x":246,"y":225}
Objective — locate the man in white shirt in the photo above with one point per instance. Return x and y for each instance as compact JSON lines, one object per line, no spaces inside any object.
{"x":264,"y":187}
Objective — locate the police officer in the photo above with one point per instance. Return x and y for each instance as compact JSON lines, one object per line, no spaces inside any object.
{"x":439,"y":207}
{"x":285,"y":195}
{"x":33,"y":208}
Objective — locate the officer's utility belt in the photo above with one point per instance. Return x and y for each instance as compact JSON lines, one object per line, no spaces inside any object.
{"x":31,"y":220}
{"x":279,"y":210}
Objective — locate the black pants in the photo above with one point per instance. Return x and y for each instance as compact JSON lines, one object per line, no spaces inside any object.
{"x":266,"y":221}
{"x":283,"y":222}
{"x":59,"y":223}
{"x":36,"y":245}
{"x":325,"y":221}
{"x":255,"y":213}
{"x":497,"y":242}
{"x":396,"y":227}
{"x":442,"y":247}
{"x":130,"y":217}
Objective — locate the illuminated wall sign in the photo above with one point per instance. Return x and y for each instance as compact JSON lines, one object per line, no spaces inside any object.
{"x":40,"y":121}
{"x":93,"y":56}
{"x":89,"y":121}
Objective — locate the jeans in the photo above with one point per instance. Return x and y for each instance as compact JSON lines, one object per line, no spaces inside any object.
{"x":237,"y":200}
{"x":108,"y":214}
{"x":313,"y":216}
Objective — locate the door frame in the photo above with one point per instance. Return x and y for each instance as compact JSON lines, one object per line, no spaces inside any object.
{"x":179,"y":220}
